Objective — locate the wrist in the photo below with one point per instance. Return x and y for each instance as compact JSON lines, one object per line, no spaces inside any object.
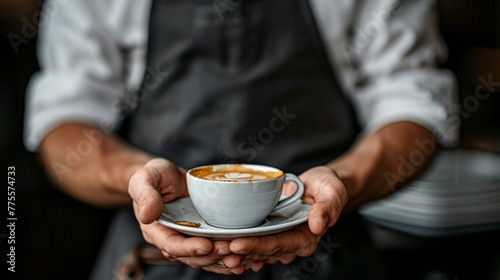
{"x":364,"y":168}
{"x":358,"y":166}
{"x":90,"y":165}
{"x":119,"y":163}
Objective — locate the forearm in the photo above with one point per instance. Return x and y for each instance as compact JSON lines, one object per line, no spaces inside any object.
{"x":90,"y":165}
{"x":381,"y":162}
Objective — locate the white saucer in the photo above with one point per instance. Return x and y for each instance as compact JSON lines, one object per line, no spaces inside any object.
{"x":183,"y":210}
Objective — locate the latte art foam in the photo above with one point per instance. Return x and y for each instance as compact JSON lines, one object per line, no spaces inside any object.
{"x":234,"y":176}
{"x":234,"y":173}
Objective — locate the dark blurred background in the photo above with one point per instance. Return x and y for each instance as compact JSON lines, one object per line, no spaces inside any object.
{"x":58,"y":237}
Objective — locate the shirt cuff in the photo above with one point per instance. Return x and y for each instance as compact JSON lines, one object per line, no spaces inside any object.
{"x":425,"y":97}
{"x":54,"y":100}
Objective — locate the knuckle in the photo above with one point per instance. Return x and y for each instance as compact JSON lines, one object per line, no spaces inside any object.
{"x":258,"y":266}
{"x":191,"y":264}
{"x":287,"y":259}
{"x":165,"y":248}
{"x":138,"y":180}
{"x":140,"y":198}
{"x":327,"y":181}
{"x":191,"y":251}
{"x":158,"y":161}
{"x":167,"y":254}
{"x":140,"y":175}
{"x":307,"y":252}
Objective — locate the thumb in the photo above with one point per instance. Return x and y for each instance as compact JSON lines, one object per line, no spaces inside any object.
{"x":147,"y":201}
{"x":328,"y":196}
{"x":321,"y":216}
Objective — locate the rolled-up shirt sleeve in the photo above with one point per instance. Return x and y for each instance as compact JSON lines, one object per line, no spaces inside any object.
{"x":403,"y":82}
{"x":423,"y":96}
{"x":81,"y":72}
{"x":390,"y":68}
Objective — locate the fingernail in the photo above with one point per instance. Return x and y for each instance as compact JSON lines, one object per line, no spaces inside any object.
{"x":222,"y":252}
{"x":220,"y":263}
{"x":243,"y":252}
{"x":201,"y":252}
{"x":236,"y":271}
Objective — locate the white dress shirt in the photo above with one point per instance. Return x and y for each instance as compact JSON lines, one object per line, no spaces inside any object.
{"x":92,"y":55}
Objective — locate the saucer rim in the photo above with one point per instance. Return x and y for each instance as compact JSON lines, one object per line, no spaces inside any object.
{"x":239,"y":232}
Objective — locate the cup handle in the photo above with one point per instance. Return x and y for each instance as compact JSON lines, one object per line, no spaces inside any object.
{"x":295,"y":196}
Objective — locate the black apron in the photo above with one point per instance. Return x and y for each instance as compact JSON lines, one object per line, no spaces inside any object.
{"x":250,"y":85}
{"x":234,"y":81}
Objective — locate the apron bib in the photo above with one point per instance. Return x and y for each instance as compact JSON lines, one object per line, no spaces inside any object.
{"x":250,"y":85}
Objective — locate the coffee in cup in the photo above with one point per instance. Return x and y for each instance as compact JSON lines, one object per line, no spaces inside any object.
{"x":234,"y":173}
{"x":239,"y":195}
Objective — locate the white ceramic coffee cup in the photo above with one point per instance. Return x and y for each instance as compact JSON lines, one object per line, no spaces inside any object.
{"x":240,"y":204}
